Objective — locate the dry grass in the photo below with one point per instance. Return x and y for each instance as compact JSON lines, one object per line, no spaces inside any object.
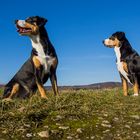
{"x":83,"y":114}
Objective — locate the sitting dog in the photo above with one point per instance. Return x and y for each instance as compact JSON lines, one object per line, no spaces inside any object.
{"x":128,"y":61}
{"x":39,"y":67}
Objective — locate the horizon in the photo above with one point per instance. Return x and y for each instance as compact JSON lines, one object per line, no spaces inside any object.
{"x":79,"y":85}
{"x":76,"y":30}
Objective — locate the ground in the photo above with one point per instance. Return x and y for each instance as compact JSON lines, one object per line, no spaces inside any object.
{"x":77,"y":115}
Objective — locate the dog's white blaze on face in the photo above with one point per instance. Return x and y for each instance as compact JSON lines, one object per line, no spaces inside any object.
{"x":120,"y":65}
{"x":44,"y":59}
{"x":21,"y":23}
{"x":109,"y":42}
{"x":106,"y":41}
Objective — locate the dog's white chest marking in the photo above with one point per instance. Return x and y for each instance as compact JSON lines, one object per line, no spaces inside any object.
{"x":44,"y":59}
{"x":120,"y":64}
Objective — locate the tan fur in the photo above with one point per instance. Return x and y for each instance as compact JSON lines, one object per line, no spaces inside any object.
{"x":116,"y":42}
{"x":136,"y":87}
{"x":125,"y":67}
{"x":34,"y":28}
{"x":125,"y":86}
{"x":14,"y":90}
{"x":112,"y":43}
{"x":41,"y":90}
{"x":36,"y":62}
{"x":40,"y":86}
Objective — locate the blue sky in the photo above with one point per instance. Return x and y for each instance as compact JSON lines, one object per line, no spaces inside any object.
{"x":76,"y":28}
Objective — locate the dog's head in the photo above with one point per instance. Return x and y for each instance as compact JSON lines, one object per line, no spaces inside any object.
{"x":30,"y":26}
{"x":115,"y":40}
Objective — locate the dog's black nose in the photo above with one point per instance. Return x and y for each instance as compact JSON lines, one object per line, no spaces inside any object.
{"x":16,"y":21}
{"x":103,"y":42}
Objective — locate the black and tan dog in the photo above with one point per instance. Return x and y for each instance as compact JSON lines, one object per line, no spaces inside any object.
{"x":39,"y":67}
{"x":128,"y":61}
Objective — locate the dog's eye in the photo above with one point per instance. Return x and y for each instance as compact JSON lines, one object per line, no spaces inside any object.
{"x":112,"y":38}
{"x":30,"y":21}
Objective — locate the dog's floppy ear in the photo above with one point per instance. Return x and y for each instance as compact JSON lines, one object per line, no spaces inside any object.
{"x":41,"y":21}
{"x":120,"y":35}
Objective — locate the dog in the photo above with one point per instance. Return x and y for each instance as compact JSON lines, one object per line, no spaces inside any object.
{"x":41,"y":65}
{"x":128,"y":61}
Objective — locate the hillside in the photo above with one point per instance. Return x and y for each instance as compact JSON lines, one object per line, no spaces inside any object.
{"x":75,"y":115}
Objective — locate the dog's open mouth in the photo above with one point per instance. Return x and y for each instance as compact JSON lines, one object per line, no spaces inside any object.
{"x":109,"y":46}
{"x":23,"y":30}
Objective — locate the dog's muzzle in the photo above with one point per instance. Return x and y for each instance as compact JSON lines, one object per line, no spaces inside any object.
{"x":20,"y":23}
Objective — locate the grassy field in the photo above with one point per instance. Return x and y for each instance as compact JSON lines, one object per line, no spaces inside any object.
{"x":76,"y":115}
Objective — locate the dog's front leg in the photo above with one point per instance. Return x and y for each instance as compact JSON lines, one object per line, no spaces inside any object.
{"x":39,"y":83}
{"x":125,"y":86}
{"x":136,"y":87}
{"x":41,"y":89}
{"x":53,"y":79}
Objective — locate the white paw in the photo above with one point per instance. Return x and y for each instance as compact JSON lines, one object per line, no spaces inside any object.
{"x":135,"y":94}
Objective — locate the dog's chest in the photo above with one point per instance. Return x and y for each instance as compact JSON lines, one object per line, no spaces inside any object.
{"x":44,"y":59}
{"x":120,"y":65}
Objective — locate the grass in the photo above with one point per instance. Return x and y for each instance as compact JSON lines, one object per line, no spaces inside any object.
{"x":83,"y":114}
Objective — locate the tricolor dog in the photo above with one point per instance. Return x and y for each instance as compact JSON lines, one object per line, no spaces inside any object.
{"x":128,"y":61}
{"x":39,"y":67}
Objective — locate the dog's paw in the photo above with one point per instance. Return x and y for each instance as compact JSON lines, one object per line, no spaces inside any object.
{"x":44,"y":97}
{"x":7,"y":100}
{"x":135,"y":95}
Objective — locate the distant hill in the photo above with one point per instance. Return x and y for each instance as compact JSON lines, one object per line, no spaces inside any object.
{"x":91,"y":86}
{"x":1,"y":85}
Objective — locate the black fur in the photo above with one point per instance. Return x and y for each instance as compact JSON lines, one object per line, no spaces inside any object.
{"x":130,"y":56}
{"x":27,"y":75}
{"x":127,"y":52}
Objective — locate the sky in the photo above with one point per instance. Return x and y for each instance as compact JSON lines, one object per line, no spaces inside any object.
{"x":76,"y":28}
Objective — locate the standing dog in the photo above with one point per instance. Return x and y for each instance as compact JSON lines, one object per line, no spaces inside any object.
{"x":39,"y":67}
{"x":128,"y":61}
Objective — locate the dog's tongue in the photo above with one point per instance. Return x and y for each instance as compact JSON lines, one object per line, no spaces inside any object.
{"x":19,"y":30}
